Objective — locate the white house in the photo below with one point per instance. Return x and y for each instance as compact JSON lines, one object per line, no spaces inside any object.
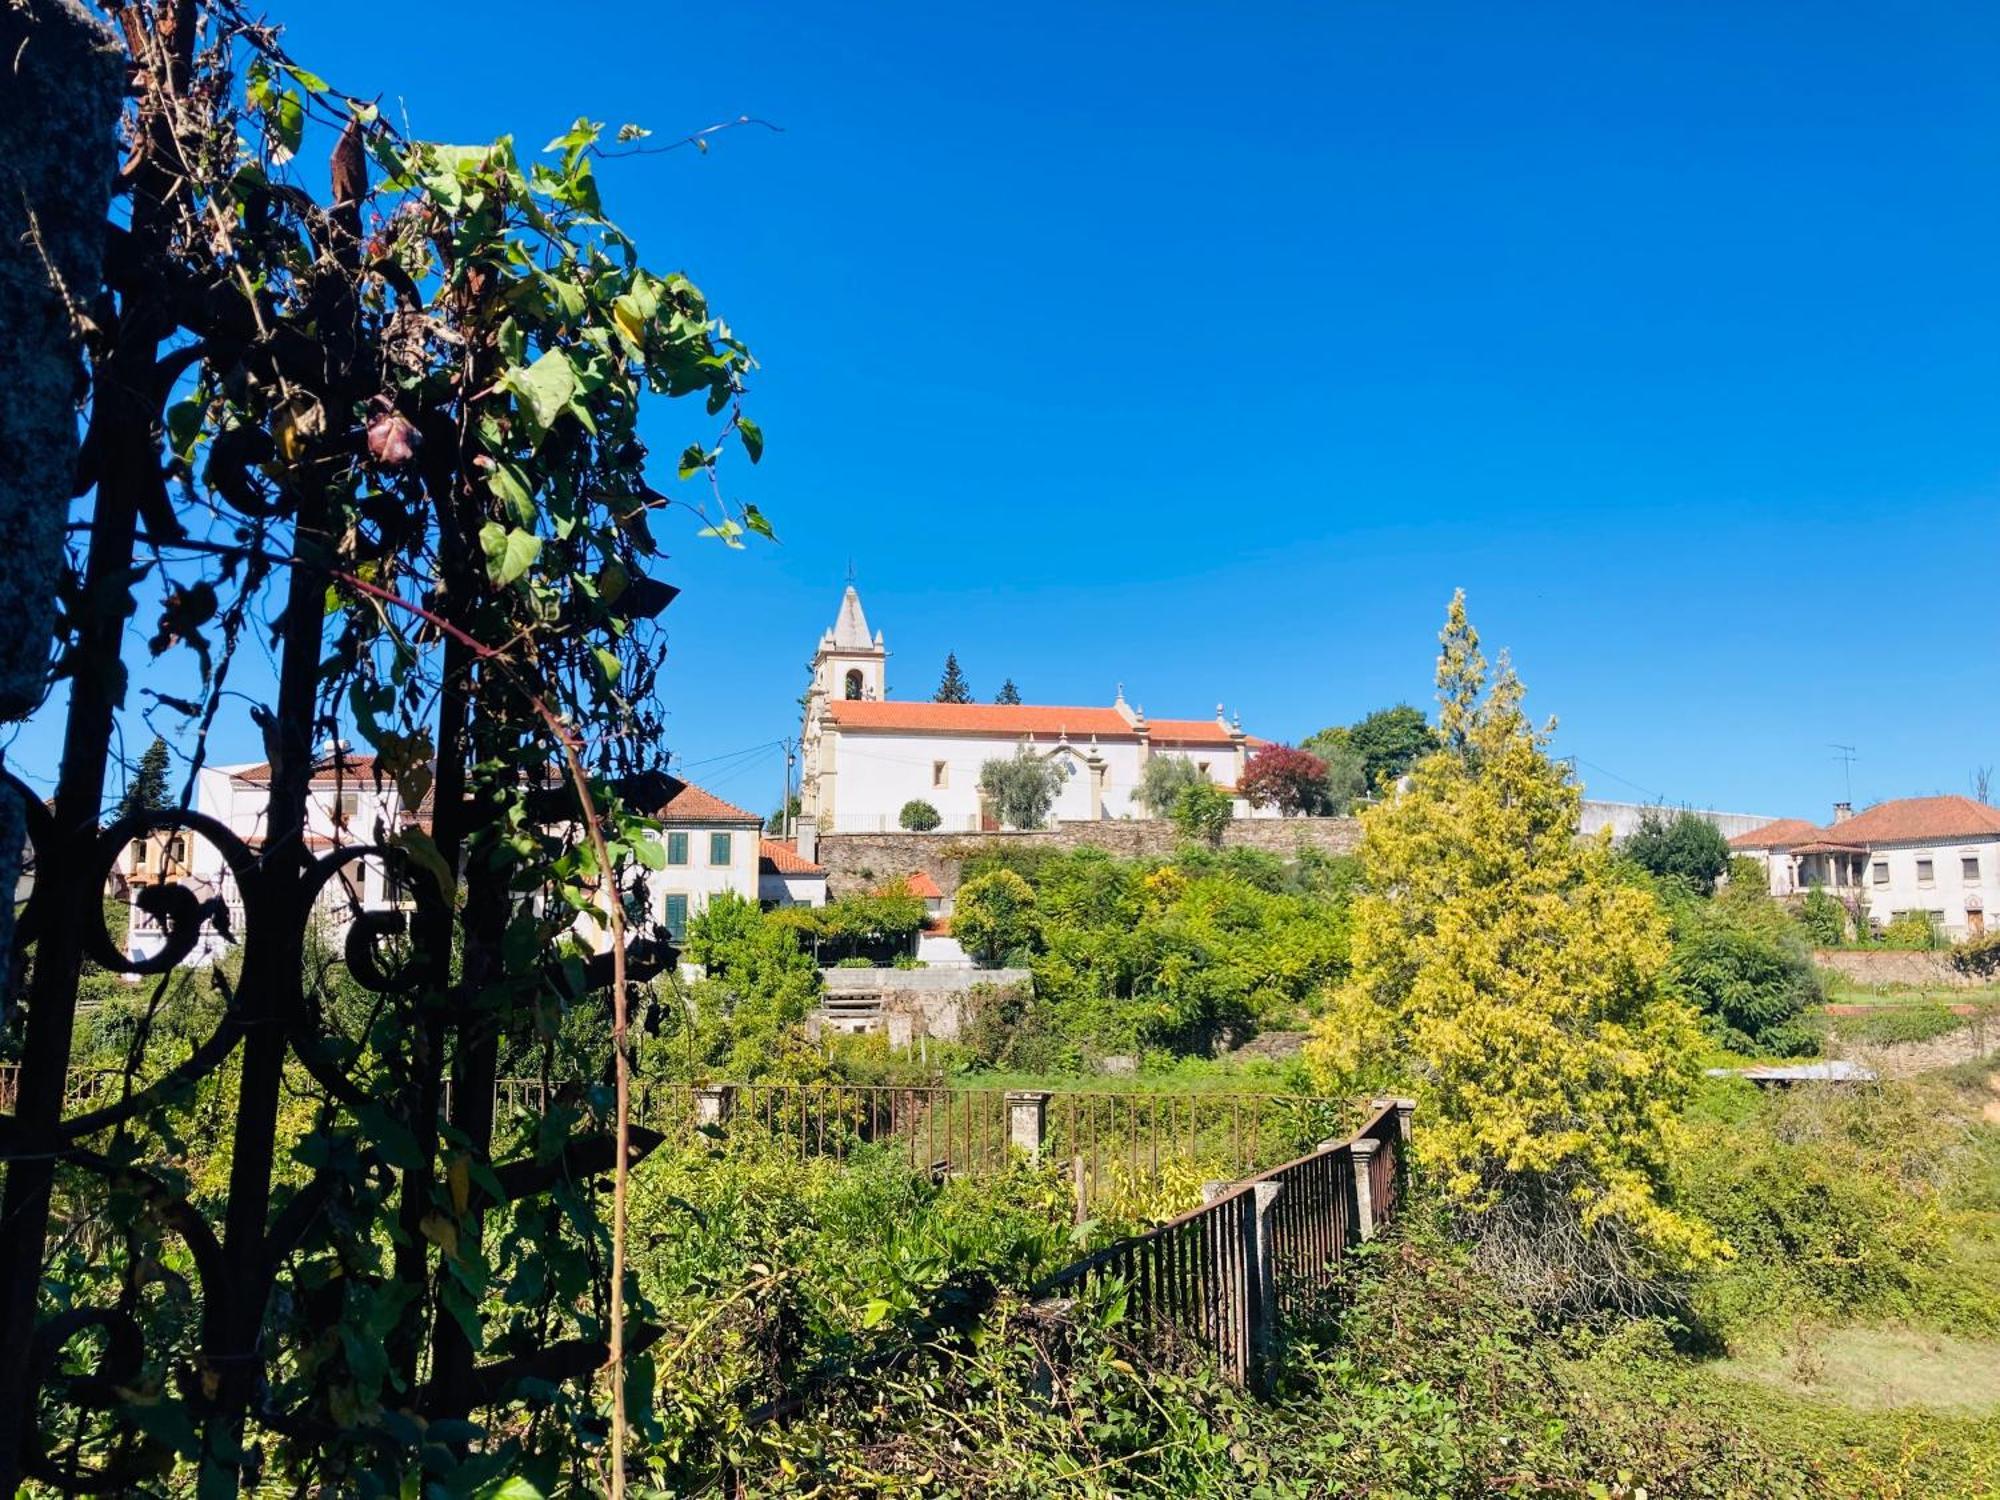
{"x":1938,"y":855}
{"x":710,"y":846}
{"x":346,"y":803}
{"x":786,"y":878}
{"x":866,"y":756}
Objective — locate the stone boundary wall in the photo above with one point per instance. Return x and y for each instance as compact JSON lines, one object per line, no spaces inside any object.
{"x":862,"y":861}
{"x":1893,"y":966}
{"x":892,"y":981}
{"x":921,"y":1002}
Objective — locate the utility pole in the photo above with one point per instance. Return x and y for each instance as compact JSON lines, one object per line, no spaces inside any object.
{"x":791,"y":748}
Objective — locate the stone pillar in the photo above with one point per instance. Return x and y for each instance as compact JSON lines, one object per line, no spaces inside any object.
{"x":806,"y":831}
{"x":1404,"y":1108}
{"x":714,"y":1105}
{"x":1210,"y":1191}
{"x":1027,"y":1121}
{"x":64,"y":83}
{"x":1363,"y":1151}
{"x":901,"y":1029}
{"x":1261,"y":1272}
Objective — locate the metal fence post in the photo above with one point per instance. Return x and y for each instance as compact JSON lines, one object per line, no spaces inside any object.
{"x":1261,"y":1271}
{"x":1027,"y":1121}
{"x":1363,"y":1151}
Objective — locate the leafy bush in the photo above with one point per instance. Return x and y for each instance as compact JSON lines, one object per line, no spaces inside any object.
{"x":1917,"y":931}
{"x":1823,"y":919}
{"x":1837,"y":1203}
{"x":918,"y":816}
{"x":994,"y":914}
{"x":873,"y":926}
{"x":1978,"y":956}
{"x":1202,"y":811}
{"x":1741,"y":962}
{"x":1893,"y":1024}
{"x":856,"y":963}
{"x":1685,"y":846}
{"x":742,"y":1020}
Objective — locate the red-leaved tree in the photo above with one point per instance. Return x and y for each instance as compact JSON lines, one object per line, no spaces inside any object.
{"x":1284,"y":777}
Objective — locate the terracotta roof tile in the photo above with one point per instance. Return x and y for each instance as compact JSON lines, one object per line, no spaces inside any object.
{"x":1016,"y":719}
{"x":1904,"y":820}
{"x":347,"y":768}
{"x":1190,"y":732}
{"x":1782,"y":834}
{"x":778,"y":857}
{"x":687,"y":803}
{"x":918,"y":883}
{"x":1918,"y":820}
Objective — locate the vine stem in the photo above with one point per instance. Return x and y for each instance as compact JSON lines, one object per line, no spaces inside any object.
{"x":620,"y":1011}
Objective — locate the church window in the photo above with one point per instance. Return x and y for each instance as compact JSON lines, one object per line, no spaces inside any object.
{"x":939,"y":771}
{"x":854,"y":683}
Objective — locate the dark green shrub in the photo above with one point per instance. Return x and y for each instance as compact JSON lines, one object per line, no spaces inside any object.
{"x":1742,"y":964}
{"x":1682,"y":846}
{"x":1823,"y":919}
{"x":918,"y":816}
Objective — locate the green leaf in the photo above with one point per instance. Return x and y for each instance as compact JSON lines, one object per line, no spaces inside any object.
{"x":287,"y":124}
{"x":694,"y":458}
{"x":510,"y":488}
{"x":649,"y":853}
{"x":543,"y":388}
{"x":184,"y":426}
{"x":753,"y":438}
{"x":607,"y":664}
{"x":510,"y":552}
{"x":312,"y":83}
{"x":754,"y":519}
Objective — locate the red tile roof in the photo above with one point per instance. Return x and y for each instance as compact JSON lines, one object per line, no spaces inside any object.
{"x":687,"y":803}
{"x":345,"y":768}
{"x":1015,"y":719}
{"x":1918,"y":820}
{"x":1190,"y":732}
{"x":778,"y":857}
{"x":1905,"y":820}
{"x":1779,"y":835}
{"x":921,"y":885}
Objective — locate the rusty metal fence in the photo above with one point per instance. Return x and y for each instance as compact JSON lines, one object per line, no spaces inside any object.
{"x":1113,"y":1142}
{"x":1265,"y":1252}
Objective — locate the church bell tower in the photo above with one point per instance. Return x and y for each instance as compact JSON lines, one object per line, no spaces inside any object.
{"x":849,"y":664}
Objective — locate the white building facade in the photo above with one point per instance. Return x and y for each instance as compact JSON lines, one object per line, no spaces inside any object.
{"x":864,"y":756}
{"x":710,"y":846}
{"x":1935,"y":855}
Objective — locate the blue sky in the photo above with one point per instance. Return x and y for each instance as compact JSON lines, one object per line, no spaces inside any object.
{"x":1208,"y":348}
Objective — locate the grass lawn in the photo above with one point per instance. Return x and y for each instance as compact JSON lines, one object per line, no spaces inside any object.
{"x":1846,"y":992}
{"x":1878,"y":1369}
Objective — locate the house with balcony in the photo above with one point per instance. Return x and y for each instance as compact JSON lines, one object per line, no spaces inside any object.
{"x":1936,"y":855}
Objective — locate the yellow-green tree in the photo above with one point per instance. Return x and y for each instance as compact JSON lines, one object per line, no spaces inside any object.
{"x":1506,"y":976}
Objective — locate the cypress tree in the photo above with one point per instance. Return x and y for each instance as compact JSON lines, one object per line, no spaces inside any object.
{"x":148,"y":788}
{"x":1008,"y":693}
{"x":952,"y":687}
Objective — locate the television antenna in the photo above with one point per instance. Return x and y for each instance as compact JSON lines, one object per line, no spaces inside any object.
{"x":1846,"y":756}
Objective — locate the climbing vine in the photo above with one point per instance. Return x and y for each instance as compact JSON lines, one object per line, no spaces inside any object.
{"x":392,"y":422}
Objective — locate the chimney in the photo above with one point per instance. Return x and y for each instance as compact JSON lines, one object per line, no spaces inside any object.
{"x":1842,"y":811}
{"x":807,"y":831}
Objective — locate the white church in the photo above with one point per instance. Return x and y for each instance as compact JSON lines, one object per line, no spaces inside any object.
{"x":863,"y":756}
